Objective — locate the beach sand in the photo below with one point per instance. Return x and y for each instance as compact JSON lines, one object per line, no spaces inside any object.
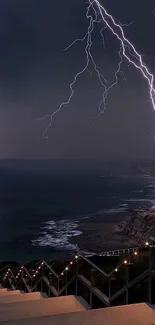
{"x":98,"y":236}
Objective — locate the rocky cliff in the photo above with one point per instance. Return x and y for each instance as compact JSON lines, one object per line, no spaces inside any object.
{"x":138,"y":225}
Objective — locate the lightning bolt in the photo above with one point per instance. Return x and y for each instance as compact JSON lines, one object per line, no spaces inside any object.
{"x":89,"y":58}
{"x":96,"y":13}
{"x":117,"y":31}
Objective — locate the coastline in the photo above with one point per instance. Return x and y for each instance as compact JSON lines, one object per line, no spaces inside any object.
{"x":98,"y":236}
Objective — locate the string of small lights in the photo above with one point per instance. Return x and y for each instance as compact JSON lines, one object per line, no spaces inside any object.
{"x":67,"y":268}
{"x":116,"y":269}
{"x":38,"y":269}
{"x":134,"y":254}
{"x":35,"y":272}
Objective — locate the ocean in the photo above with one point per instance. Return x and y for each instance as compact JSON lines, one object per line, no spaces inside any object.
{"x":47,"y":215}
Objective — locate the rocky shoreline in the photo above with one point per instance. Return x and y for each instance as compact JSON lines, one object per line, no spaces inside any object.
{"x":98,"y":236}
{"x":135,"y":227}
{"x":138,"y":225}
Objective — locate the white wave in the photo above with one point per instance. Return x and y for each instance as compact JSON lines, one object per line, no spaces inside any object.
{"x":150,"y":186}
{"x":87,"y":253}
{"x":114,"y":210}
{"x":57,"y":235}
{"x":140,"y":200}
{"x":87,"y":217}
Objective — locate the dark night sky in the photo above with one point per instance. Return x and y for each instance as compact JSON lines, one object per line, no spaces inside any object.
{"x":35,"y":74}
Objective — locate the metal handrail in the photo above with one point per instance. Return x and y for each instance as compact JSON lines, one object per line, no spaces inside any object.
{"x":44,"y":265}
{"x":122,"y":262}
{"x":27,"y":272}
{"x":50,"y":268}
{"x":94,"y":265}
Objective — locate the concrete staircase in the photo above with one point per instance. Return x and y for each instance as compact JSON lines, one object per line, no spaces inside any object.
{"x":5,"y":292}
{"x":15,"y":306}
{"x":138,"y":314}
{"x":17,"y":296}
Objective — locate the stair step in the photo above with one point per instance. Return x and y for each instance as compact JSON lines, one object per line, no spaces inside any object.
{"x":39,"y":308}
{"x":122,"y":315}
{"x":21,"y":297}
{"x":9,"y":292}
{"x":3,"y":290}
